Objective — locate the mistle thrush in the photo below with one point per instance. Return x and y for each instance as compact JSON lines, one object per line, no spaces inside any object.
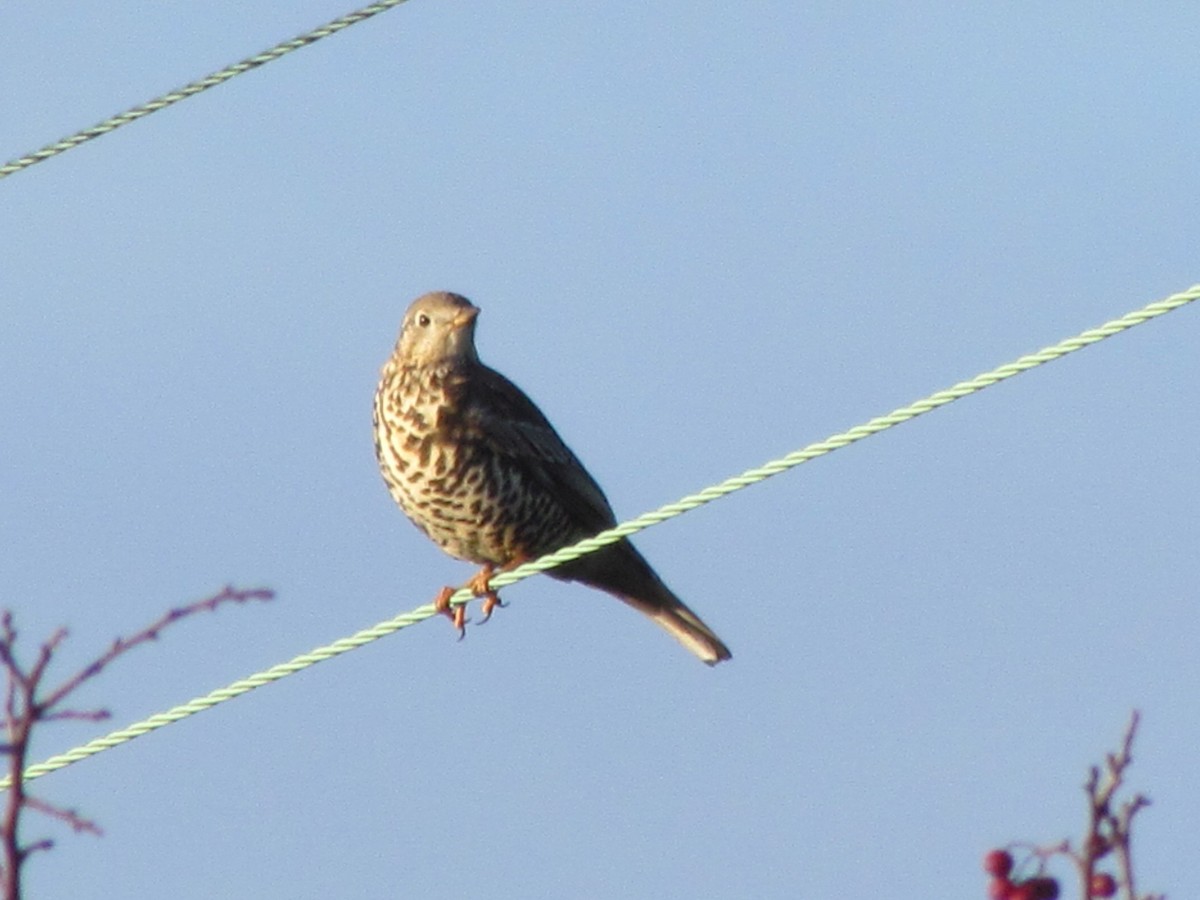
{"x":478,"y":468}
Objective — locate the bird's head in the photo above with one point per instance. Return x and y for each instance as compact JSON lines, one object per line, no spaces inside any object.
{"x":438,"y":327}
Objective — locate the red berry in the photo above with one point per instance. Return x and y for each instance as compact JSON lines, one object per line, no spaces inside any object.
{"x":1098,"y":847}
{"x":1103,"y":885}
{"x":1023,"y":891}
{"x":998,"y":863}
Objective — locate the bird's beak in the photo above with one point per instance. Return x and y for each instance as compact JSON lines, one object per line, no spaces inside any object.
{"x":465,"y":318}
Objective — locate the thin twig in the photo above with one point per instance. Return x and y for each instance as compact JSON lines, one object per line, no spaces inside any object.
{"x":78,"y":715}
{"x":150,"y":633}
{"x":77,"y":822}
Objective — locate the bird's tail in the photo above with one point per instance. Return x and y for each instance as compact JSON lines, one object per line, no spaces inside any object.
{"x":687,"y":628}
{"x":623,"y":572}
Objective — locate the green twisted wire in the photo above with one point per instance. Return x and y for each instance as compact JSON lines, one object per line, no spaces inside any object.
{"x":612,"y":535}
{"x":196,"y":87}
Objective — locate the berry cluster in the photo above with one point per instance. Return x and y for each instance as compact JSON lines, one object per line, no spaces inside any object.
{"x":999,"y":864}
{"x":1106,"y":843}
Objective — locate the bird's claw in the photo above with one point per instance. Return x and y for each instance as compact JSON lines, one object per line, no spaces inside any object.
{"x":491,"y":602}
{"x":457,"y":614}
{"x":480,"y":586}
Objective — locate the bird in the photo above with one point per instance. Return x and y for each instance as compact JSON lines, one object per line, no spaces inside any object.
{"x":478,"y":468}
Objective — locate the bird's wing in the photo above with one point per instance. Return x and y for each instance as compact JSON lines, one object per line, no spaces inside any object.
{"x":498,"y":413}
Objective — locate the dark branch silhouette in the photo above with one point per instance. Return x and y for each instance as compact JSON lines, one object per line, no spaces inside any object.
{"x":27,"y":704}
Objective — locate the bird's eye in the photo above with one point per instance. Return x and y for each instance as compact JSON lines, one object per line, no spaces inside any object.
{"x":423,"y":320}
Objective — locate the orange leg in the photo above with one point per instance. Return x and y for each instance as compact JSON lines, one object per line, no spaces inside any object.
{"x":481,"y":588}
{"x":480,"y":584}
{"x":458,"y":615}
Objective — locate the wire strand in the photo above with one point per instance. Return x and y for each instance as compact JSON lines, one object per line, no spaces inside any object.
{"x":612,"y":535}
{"x":196,"y":87}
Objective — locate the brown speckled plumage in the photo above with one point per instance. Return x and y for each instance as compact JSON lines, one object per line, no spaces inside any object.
{"x":478,"y":468}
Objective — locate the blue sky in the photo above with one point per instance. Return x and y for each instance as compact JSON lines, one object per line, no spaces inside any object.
{"x":701,"y":237}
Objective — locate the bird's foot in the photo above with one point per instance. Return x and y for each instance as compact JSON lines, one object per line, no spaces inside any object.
{"x":457,"y":614}
{"x":481,"y":587}
{"x":491,"y":602}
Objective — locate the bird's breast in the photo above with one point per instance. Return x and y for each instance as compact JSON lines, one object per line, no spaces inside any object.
{"x":473,"y":502}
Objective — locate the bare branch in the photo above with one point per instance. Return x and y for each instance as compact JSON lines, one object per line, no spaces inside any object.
{"x":44,"y":844}
{"x":1110,"y":830}
{"x":77,"y":822}
{"x":78,"y":715}
{"x":26,"y":707}
{"x":123,"y":645}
